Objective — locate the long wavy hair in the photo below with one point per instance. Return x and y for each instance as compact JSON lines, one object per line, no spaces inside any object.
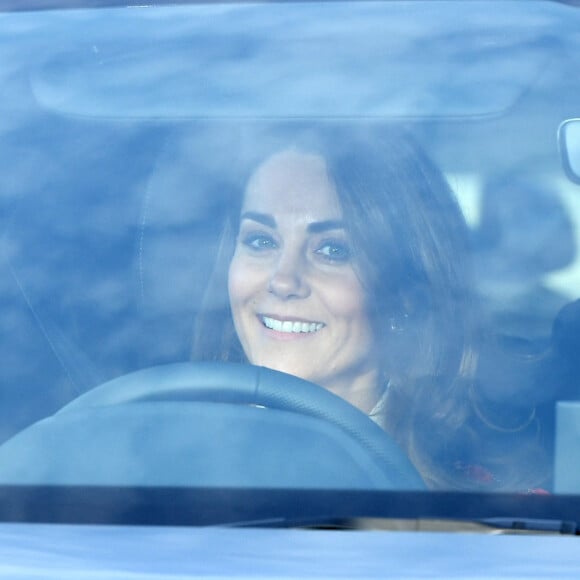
{"x":411,"y":254}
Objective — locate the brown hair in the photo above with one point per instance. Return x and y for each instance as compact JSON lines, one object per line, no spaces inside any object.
{"x":411,"y":244}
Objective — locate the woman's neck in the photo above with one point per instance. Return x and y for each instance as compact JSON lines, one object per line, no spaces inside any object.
{"x":362,"y":391}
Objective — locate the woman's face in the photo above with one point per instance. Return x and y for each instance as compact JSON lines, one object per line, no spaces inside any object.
{"x":297,"y":303}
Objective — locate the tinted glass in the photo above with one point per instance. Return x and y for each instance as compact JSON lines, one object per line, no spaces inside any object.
{"x":369,"y":196}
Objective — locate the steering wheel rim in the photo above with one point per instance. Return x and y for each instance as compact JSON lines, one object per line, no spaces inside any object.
{"x":245,"y":384}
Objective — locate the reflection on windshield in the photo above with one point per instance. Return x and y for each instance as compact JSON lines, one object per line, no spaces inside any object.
{"x":334,"y":251}
{"x":311,"y":53}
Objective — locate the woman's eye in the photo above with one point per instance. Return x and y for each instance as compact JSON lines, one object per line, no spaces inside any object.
{"x":259,"y":242}
{"x":334,"y":251}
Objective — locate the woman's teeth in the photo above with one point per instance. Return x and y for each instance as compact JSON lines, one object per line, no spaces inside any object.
{"x":290,"y":326}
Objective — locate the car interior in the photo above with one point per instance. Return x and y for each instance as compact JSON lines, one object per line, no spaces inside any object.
{"x":108,"y":232}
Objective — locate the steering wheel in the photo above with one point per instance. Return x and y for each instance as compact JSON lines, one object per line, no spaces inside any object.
{"x":235,"y":395}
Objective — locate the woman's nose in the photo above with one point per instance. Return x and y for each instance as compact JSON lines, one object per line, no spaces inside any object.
{"x":288,"y":279}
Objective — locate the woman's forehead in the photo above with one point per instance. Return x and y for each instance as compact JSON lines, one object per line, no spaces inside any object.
{"x":293,"y":182}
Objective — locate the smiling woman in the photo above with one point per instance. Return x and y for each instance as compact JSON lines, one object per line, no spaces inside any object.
{"x":344,"y":263}
{"x":297,"y":302}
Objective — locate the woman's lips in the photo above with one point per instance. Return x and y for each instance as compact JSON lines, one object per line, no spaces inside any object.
{"x":287,"y":326}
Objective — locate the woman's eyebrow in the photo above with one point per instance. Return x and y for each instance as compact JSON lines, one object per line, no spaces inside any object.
{"x":312,"y":228}
{"x":318,"y":227}
{"x":262,"y":218}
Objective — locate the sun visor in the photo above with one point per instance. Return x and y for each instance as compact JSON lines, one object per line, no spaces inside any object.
{"x":305,"y":60}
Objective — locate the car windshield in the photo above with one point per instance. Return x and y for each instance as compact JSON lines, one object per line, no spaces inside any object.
{"x":296,"y":247}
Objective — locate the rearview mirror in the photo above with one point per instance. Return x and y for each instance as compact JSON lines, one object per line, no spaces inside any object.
{"x":569,"y":143}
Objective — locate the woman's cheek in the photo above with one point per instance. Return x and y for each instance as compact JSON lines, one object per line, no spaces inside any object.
{"x":346,"y":295}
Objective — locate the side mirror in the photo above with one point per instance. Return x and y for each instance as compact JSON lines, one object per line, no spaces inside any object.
{"x":569,"y":144}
